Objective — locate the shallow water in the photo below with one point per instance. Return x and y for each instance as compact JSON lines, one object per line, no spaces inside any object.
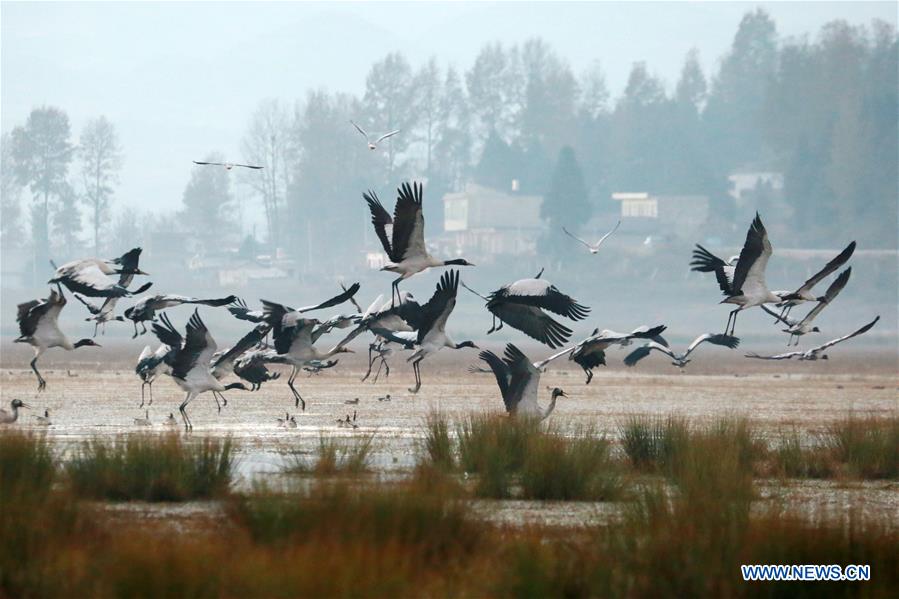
{"x":84,"y":402}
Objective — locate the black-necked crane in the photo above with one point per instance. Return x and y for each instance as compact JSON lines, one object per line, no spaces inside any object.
{"x":145,"y":308}
{"x":9,"y":417}
{"x":191,"y":363}
{"x":801,"y":327}
{"x":519,"y":380}
{"x":91,"y":276}
{"x":228,"y":165}
{"x":521,"y":305}
{"x":251,"y":367}
{"x":150,"y":364}
{"x":100,"y":315}
{"x":593,"y":247}
{"x":406,"y":246}
{"x":387,"y":318}
{"x":39,"y":327}
{"x":817,"y":353}
{"x":680,"y":360}
{"x":591,"y":352}
{"x":105,"y":313}
{"x":224,"y":362}
{"x":804,"y":293}
{"x":432,"y":336}
{"x":294,"y":337}
{"x":748,"y":287}
{"x":373,"y":145}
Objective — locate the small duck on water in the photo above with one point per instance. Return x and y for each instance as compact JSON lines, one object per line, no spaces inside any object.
{"x":45,"y":419}
{"x":170,"y":421}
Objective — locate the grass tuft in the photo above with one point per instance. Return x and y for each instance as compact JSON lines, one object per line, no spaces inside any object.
{"x":334,"y":456}
{"x":149,"y":467}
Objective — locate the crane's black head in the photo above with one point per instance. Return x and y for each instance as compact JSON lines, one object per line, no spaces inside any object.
{"x":458,"y":262}
{"x":86,"y":342}
{"x":558,"y":393}
{"x":824,"y":357}
{"x":466,"y":344}
{"x":18,"y":403}
{"x":816,"y":330}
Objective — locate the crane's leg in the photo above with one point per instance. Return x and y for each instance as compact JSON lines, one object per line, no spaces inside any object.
{"x":96,"y":325}
{"x":134,"y":336}
{"x":188,"y":426}
{"x":378,"y":373}
{"x":492,"y":324}
{"x":386,"y":368}
{"x":297,"y":398}
{"x":589,"y":375}
{"x":41,"y":383}
{"x":732,"y":320}
{"x":151,"y":393}
{"x":371,"y":360}
{"x":215,"y":396}
{"x":395,"y":291}
{"x":142,"y":385}
{"x":417,"y":371}
{"x":143,"y":326}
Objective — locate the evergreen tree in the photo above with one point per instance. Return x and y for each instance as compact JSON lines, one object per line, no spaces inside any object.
{"x":565,"y":203}
{"x":41,"y":153}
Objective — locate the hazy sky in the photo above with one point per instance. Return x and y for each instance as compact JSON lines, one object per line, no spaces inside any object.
{"x":181,"y":79}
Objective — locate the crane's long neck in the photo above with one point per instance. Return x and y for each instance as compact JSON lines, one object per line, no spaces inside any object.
{"x":545,"y":412}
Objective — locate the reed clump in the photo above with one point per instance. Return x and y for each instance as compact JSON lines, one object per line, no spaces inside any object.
{"x":334,"y":456}
{"x":854,"y":448}
{"x":524,"y":458}
{"x":150,"y":467}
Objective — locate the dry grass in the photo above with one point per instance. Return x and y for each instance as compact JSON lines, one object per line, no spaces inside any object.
{"x":854,"y":448}
{"x":151,"y":467}
{"x":334,"y":456}
{"x":684,"y":533}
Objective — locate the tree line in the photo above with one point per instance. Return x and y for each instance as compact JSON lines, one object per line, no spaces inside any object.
{"x":820,"y":110}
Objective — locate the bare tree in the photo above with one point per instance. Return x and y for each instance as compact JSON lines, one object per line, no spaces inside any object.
{"x":267,"y":144}
{"x":428,"y":85}
{"x":101,"y":160}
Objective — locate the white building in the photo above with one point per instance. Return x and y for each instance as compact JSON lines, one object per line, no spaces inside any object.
{"x":481,"y":220}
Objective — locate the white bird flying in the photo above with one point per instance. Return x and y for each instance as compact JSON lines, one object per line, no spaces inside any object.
{"x":228,"y":165}
{"x":593,"y":247}
{"x":373,"y":145}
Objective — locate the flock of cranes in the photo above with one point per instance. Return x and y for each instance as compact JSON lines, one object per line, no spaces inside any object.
{"x":281,"y":334}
